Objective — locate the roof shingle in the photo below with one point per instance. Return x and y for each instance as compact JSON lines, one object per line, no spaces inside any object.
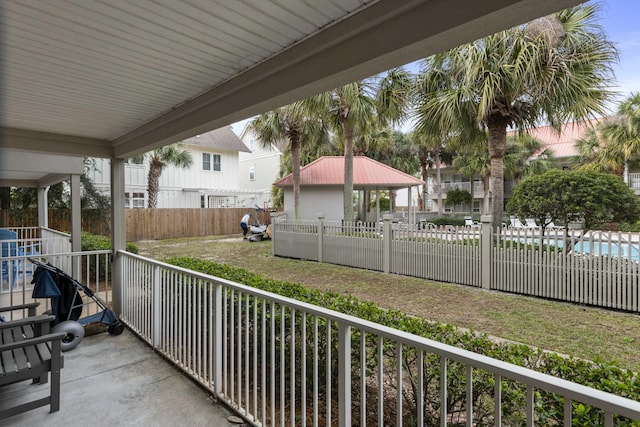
{"x":329,"y":170}
{"x":222,"y":139}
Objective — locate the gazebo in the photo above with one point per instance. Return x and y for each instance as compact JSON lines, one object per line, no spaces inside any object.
{"x":322,"y":186}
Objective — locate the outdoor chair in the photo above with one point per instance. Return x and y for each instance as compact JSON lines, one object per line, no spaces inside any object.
{"x":552,"y":227}
{"x":531,"y":223}
{"x":516,"y":223}
{"x":11,"y":268}
{"x":469,"y":222}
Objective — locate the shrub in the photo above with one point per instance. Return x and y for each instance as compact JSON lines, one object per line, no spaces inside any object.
{"x":95,"y":242}
{"x":549,"y":407}
{"x":448,"y":220}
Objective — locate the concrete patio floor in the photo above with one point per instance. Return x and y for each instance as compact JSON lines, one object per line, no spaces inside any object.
{"x":117,"y":381}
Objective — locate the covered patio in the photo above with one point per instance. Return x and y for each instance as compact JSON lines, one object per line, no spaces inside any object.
{"x":114,"y":80}
{"x":109,"y":381}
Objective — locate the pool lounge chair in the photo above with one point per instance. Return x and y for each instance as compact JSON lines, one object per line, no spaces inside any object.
{"x":469,"y":222}
{"x":531,"y":223}
{"x":514,"y":222}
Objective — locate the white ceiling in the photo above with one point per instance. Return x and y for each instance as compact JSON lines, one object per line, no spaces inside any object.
{"x":113,"y":78}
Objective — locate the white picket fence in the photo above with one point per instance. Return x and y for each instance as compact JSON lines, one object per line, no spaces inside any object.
{"x":593,"y":268}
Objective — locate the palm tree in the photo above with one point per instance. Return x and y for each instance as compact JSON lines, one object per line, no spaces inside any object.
{"x":555,"y":68}
{"x":526,"y":156}
{"x":622,"y":134}
{"x":353,"y":108}
{"x":471,"y":159}
{"x":296,"y":123}
{"x":159,"y":158}
{"x":429,"y":150}
{"x":591,"y":156}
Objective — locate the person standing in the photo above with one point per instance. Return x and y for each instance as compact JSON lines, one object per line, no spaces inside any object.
{"x":244,"y":224}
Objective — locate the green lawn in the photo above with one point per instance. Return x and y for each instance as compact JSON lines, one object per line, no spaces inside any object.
{"x":579,"y":331}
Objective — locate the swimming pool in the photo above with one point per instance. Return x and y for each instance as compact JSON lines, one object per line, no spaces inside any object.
{"x":614,"y":249}
{"x":598,"y":248}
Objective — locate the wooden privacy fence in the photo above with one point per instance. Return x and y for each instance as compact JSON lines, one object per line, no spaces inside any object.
{"x":145,"y":224}
{"x":594,"y":268}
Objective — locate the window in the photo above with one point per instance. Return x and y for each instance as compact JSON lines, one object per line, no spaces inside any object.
{"x":252,"y":143}
{"x":134,"y":200}
{"x":136,"y":160}
{"x":222,"y":201}
{"x":209,"y":164}
{"x":252,"y":173}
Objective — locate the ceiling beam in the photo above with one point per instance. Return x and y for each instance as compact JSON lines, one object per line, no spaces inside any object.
{"x":53,"y":143}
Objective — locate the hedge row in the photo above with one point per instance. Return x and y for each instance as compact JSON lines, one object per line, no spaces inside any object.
{"x":600,"y":375}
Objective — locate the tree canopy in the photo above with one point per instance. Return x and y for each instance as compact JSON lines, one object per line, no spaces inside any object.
{"x":555,"y":68}
{"x":574,"y":195}
{"x":159,"y":158}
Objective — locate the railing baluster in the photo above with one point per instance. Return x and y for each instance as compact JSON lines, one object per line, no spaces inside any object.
{"x":529,"y":405}
{"x":303,"y":360}
{"x":328,"y":373}
{"x":255,"y":347}
{"x":344,"y":376}
{"x":363,"y":378}
{"x":316,"y":384}
{"x":420,"y":396}
{"x":247,"y":359}
{"x":263,"y":359}
{"x":272,"y":331}
{"x":443,"y":392}
{"x":568,"y":412}
{"x":399,"y":414}
{"x":292,"y":368}
{"x":380,"y":382}
{"x":469,"y":412}
{"x":497,"y":400}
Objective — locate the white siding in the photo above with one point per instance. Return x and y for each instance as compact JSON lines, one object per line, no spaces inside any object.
{"x":315,"y":200}
{"x":184,"y":188}
{"x":265,"y":162}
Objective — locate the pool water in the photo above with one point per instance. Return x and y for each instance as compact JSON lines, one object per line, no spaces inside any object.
{"x":614,"y":249}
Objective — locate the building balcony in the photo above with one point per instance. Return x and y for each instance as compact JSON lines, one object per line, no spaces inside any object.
{"x":634,"y":182}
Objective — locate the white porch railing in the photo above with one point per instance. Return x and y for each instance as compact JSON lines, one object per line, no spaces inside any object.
{"x":91,"y":268}
{"x":282,"y":362}
{"x":54,"y":241}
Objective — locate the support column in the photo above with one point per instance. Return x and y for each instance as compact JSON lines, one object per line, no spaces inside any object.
{"x":43,"y":207}
{"x":76,"y":225}
{"x":486,"y":250}
{"x":387,"y":236}
{"x":118,"y":230}
{"x":321,"y":217}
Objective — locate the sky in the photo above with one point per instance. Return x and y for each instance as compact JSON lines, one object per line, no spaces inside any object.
{"x":619,"y":18}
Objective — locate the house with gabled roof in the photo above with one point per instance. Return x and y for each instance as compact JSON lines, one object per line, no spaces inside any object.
{"x":260,"y":166}
{"x":212,"y":180}
{"x":322,"y":184}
